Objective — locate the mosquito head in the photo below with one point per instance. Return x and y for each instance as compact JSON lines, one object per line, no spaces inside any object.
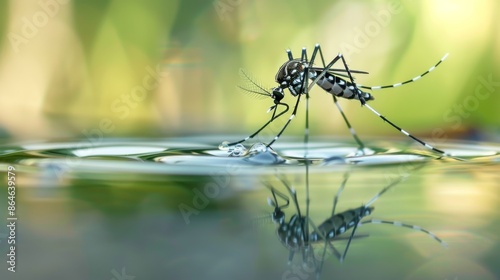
{"x":278,"y":216}
{"x":290,"y":75}
{"x":277,"y":94}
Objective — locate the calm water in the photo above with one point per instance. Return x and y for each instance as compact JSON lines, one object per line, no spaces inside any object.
{"x":183,"y":209}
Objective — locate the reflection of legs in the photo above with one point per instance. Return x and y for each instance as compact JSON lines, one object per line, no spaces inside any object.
{"x":341,"y":189}
{"x":334,"y":250}
{"x":307,"y":201}
{"x":335,"y":201}
{"x":323,"y":234}
{"x":350,"y":239}
{"x":301,"y":220}
{"x":362,"y":211}
{"x":399,"y":224}
{"x":293,"y":193}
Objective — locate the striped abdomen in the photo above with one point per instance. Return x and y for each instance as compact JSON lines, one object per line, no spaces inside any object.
{"x":340,"y":223}
{"x":292,"y":234}
{"x":339,"y":87}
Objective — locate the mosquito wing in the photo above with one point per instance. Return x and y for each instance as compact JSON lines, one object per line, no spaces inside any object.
{"x":251,"y":86}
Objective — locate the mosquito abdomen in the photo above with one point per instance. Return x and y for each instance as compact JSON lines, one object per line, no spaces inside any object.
{"x":341,"y":88}
{"x":340,"y":223}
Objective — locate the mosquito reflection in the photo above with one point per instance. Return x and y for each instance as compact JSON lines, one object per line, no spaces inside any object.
{"x":300,"y":234}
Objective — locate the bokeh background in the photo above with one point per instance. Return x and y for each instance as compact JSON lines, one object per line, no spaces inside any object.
{"x":92,"y":69}
{"x":104,"y":68}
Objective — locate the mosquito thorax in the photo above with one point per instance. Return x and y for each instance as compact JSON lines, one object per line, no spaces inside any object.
{"x":290,"y":75}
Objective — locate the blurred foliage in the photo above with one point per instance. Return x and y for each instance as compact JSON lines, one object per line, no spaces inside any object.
{"x":155,"y":68}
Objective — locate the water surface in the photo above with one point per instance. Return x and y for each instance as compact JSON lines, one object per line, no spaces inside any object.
{"x":180,"y":208}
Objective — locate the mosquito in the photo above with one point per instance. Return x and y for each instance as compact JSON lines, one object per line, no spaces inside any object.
{"x":295,"y":236}
{"x":340,"y":223}
{"x":295,"y":74}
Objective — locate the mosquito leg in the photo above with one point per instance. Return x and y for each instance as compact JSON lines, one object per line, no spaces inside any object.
{"x":349,"y":241}
{"x":289,"y":53}
{"x":406,"y":133}
{"x":303,"y":55}
{"x":287,"y":122}
{"x":363,"y":103}
{"x":307,"y":202}
{"x":413,"y":227}
{"x":407,"y":81}
{"x":290,"y":257}
{"x":341,"y":189}
{"x":326,"y":68}
{"x":264,"y":126}
{"x":317,"y":49}
{"x":334,"y":250}
{"x":348,"y":124}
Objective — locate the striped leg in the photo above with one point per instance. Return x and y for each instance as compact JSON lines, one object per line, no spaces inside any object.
{"x":305,"y":82}
{"x":274,"y":116}
{"x":400,"y":224}
{"x":303,"y":57}
{"x":351,"y":129}
{"x":306,"y":130}
{"x":307,"y":201}
{"x":294,"y":112}
{"x":363,"y":103}
{"x":406,"y":133}
{"x":293,"y":193}
{"x":335,"y":201}
{"x":341,"y":189}
{"x":322,"y":236}
{"x":407,"y":81}
{"x":322,"y":233}
{"x":307,"y":87}
{"x":392,"y":184}
{"x":326,"y":68}
{"x":370,"y":202}
{"x":304,"y":226}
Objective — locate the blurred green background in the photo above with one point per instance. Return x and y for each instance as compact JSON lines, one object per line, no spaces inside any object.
{"x":162,"y":68}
